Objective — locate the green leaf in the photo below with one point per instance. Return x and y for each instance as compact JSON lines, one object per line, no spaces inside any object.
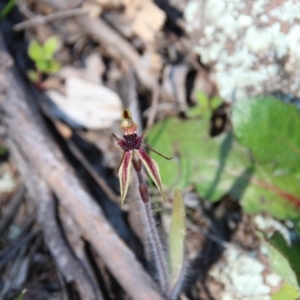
{"x":7,"y":8}
{"x":290,"y":252}
{"x":35,"y":50}
{"x":270,"y":129}
{"x":281,"y":266}
{"x":50,"y":47}
{"x":215,"y":102}
{"x":284,"y":259}
{"x":219,"y":166}
{"x":176,"y":238}
{"x":43,"y":65}
{"x":266,"y":192}
{"x":287,"y":292}
{"x":48,"y":66}
{"x":54,"y":66}
{"x":202,"y":106}
{"x":211,"y":164}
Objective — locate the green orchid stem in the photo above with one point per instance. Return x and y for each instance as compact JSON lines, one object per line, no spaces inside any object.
{"x":154,"y":239}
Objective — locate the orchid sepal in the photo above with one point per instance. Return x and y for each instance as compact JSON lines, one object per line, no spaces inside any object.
{"x":124,"y":174}
{"x":152,"y":169}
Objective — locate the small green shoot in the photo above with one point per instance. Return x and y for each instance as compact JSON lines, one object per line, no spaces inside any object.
{"x":7,"y":8}
{"x":43,"y":57}
{"x":204,"y":105}
{"x":21,"y":295}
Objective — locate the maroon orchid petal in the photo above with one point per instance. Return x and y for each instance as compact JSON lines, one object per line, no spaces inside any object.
{"x":124,"y":174}
{"x":152,"y":169}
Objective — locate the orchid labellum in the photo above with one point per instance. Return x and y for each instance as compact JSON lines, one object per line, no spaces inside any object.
{"x":134,"y":154}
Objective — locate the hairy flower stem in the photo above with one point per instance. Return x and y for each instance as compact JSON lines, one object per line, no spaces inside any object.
{"x":154,"y":239}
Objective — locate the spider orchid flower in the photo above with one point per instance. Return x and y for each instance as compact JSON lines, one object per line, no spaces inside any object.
{"x":134,"y":154}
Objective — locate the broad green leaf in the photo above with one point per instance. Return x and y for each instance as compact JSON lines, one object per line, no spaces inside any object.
{"x":290,"y":252}
{"x":219,"y":166}
{"x":176,"y":238}
{"x":287,"y":292}
{"x":266,"y":192}
{"x":281,"y":266}
{"x":50,"y":47}
{"x":284,"y":259}
{"x":198,"y":159}
{"x":35,"y":50}
{"x":270,"y":129}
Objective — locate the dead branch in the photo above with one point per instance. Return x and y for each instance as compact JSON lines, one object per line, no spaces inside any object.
{"x":70,"y":267}
{"x":27,"y":131}
{"x":88,"y":167}
{"x":40,"y":20}
{"x":73,"y":235}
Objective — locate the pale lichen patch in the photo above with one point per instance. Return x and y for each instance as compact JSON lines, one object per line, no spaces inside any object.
{"x":242,"y":277}
{"x":252,"y":47}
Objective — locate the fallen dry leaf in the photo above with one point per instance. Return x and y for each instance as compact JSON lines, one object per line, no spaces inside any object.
{"x":148,"y":21}
{"x":88,"y":104}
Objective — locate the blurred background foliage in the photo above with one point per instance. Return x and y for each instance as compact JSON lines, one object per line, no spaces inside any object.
{"x":256,"y":161}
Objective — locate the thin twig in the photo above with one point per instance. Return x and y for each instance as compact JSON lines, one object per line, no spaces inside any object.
{"x":100,"y":181}
{"x":41,"y":20}
{"x":154,"y":104}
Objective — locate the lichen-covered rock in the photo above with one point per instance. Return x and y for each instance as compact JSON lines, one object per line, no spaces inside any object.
{"x":252,"y":47}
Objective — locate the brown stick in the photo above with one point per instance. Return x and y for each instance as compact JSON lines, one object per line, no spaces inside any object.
{"x":40,"y":20}
{"x":88,"y":167}
{"x":68,"y":264}
{"x":73,"y":236}
{"x":26,"y":129}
